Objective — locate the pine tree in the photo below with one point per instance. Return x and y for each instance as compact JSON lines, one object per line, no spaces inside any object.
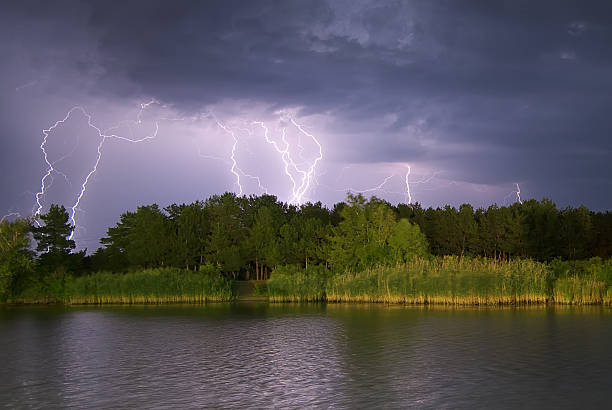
{"x":53,"y":236}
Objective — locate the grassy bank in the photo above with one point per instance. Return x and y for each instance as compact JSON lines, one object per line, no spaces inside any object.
{"x":583,"y":282}
{"x":452,"y":281}
{"x":446,"y":281}
{"x":290,"y":284}
{"x":169,"y":285}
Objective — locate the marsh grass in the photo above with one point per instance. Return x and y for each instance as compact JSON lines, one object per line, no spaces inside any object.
{"x":449,"y":280}
{"x":583,"y":282}
{"x":168,"y":285}
{"x":290,"y":284}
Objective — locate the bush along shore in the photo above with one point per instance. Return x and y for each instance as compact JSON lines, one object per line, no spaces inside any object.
{"x":451,"y":281}
{"x":447,"y":280}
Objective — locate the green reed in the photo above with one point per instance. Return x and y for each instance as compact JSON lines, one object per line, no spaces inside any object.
{"x":449,"y":280}
{"x":168,"y":285}
{"x":291,"y":284}
{"x":453,"y":281}
{"x":583,"y":282}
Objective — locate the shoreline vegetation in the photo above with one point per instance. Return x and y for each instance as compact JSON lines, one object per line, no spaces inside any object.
{"x":437,"y":281}
{"x":452,"y":281}
{"x":361,"y":250}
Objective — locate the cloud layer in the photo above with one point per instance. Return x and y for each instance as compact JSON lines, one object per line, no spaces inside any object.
{"x":486,"y":94}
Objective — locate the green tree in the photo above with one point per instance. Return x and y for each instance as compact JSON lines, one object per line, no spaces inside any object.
{"x":53,"y":235}
{"x":226,"y":246}
{"x":540,"y":229}
{"x":53,"y":240}
{"x":467,"y":227}
{"x":576,"y":232}
{"x":361,"y":239}
{"x":15,"y":255}
{"x":189,"y":227}
{"x":262,"y":235}
{"x":142,"y":237}
{"x":407,"y":241}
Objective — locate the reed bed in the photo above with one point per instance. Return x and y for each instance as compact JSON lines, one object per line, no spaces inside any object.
{"x":155,"y":286}
{"x":449,"y":280}
{"x":452,"y":281}
{"x":290,"y":284}
{"x":583,"y":282}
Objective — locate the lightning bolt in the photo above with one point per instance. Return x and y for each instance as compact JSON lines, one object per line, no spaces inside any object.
{"x":378,"y":187}
{"x":302,"y":175}
{"x":298,"y":190}
{"x":5,"y":217}
{"x":21,"y":87}
{"x":421,"y":181}
{"x":408,"y":194}
{"x":234,"y":170}
{"x":311,"y":172}
{"x":518,"y":194}
{"x":103,"y":135}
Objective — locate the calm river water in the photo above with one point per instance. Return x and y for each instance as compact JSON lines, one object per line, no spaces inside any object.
{"x":341,"y":356}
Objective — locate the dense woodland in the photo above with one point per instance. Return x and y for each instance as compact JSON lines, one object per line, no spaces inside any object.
{"x":247,"y":237}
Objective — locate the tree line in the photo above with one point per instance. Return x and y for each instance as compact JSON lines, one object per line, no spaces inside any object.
{"x":252,"y":235}
{"x":248,"y":237}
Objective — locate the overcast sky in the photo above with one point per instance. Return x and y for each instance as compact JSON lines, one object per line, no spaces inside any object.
{"x":474,"y":96}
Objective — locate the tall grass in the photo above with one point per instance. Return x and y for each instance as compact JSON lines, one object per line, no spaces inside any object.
{"x":291,"y":284}
{"x":452,"y":281}
{"x":169,"y":285}
{"x":449,"y":280}
{"x":583,"y":282}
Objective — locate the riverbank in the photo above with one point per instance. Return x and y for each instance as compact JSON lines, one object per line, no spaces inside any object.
{"x":452,"y":281}
{"x":445,"y":281}
{"x":156,"y":286}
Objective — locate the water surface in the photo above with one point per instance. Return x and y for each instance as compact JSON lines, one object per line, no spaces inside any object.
{"x":342,"y":356}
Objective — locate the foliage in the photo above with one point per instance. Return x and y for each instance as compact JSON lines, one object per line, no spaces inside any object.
{"x":357,"y":245}
{"x":248,"y":237}
{"x":15,"y":255}
{"x":169,"y":285}
{"x":52,"y":237}
{"x":288,"y":283}
{"x":447,"y":280}
{"x":54,"y":243}
{"x":407,"y":241}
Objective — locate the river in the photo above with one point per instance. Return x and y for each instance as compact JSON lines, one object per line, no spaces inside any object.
{"x":290,"y":356}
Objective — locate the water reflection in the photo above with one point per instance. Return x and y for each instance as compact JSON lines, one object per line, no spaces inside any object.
{"x":343,"y":356}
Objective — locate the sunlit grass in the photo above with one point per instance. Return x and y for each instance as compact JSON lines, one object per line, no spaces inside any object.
{"x":290,"y":284}
{"x":451,"y":281}
{"x":584,"y":282}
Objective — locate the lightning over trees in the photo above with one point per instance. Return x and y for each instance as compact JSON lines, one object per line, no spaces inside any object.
{"x":300,"y":172}
{"x":253,"y":237}
{"x":54,"y":243}
{"x":52,"y":236}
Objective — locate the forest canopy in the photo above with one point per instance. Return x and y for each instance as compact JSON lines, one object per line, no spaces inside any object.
{"x":247,"y":237}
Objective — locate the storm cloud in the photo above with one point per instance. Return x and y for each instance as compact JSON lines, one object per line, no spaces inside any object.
{"x":481,"y":94}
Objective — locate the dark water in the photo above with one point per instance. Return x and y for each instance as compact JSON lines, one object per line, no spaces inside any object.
{"x":341,"y":356}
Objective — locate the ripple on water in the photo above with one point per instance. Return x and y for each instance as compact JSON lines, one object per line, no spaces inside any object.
{"x":303,"y":356}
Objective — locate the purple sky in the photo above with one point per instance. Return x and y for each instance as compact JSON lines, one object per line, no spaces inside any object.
{"x":473,"y":96}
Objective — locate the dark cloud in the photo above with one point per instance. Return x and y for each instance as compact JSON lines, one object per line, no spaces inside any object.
{"x":491,"y":92}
